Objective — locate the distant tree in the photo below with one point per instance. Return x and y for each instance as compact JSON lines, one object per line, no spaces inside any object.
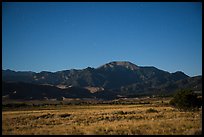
{"x":186,"y":100}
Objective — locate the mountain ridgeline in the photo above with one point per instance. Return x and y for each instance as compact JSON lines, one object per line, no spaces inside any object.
{"x":108,"y":81}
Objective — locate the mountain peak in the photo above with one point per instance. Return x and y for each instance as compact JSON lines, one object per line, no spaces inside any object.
{"x":125,"y":64}
{"x":122,"y":63}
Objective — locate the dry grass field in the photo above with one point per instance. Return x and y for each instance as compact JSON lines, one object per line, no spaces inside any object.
{"x":143,"y":119}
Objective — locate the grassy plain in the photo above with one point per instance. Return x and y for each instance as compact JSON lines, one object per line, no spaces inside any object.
{"x":101,"y":119}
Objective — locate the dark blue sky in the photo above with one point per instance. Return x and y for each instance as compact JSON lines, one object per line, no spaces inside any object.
{"x":59,"y":36}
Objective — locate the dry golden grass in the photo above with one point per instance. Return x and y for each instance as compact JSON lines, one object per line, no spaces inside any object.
{"x":101,"y":119}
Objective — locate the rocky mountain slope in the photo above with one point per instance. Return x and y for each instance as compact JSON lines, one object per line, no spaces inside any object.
{"x":110,"y":80}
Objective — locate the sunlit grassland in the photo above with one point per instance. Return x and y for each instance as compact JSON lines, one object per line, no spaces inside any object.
{"x":102,"y":119}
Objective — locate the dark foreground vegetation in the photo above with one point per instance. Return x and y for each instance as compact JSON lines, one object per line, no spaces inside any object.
{"x":43,"y":104}
{"x":186,"y":100}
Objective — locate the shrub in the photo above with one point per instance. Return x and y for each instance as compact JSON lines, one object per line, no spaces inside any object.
{"x":65,"y":115}
{"x":45,"y":116}
{"x":119,"y":112}
{"x":151,"y":110}
{"x":186,"y":100}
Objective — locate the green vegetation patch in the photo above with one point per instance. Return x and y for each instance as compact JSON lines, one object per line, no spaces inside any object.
{"x":186,"y":100}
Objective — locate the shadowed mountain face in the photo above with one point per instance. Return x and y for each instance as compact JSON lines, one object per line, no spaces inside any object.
{"x":115,"y":78}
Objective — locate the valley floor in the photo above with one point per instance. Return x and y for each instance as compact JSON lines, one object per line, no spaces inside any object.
{"x":143,"y":119}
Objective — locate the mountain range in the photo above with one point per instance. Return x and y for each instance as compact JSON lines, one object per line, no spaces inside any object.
{"x":109,"y":81}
